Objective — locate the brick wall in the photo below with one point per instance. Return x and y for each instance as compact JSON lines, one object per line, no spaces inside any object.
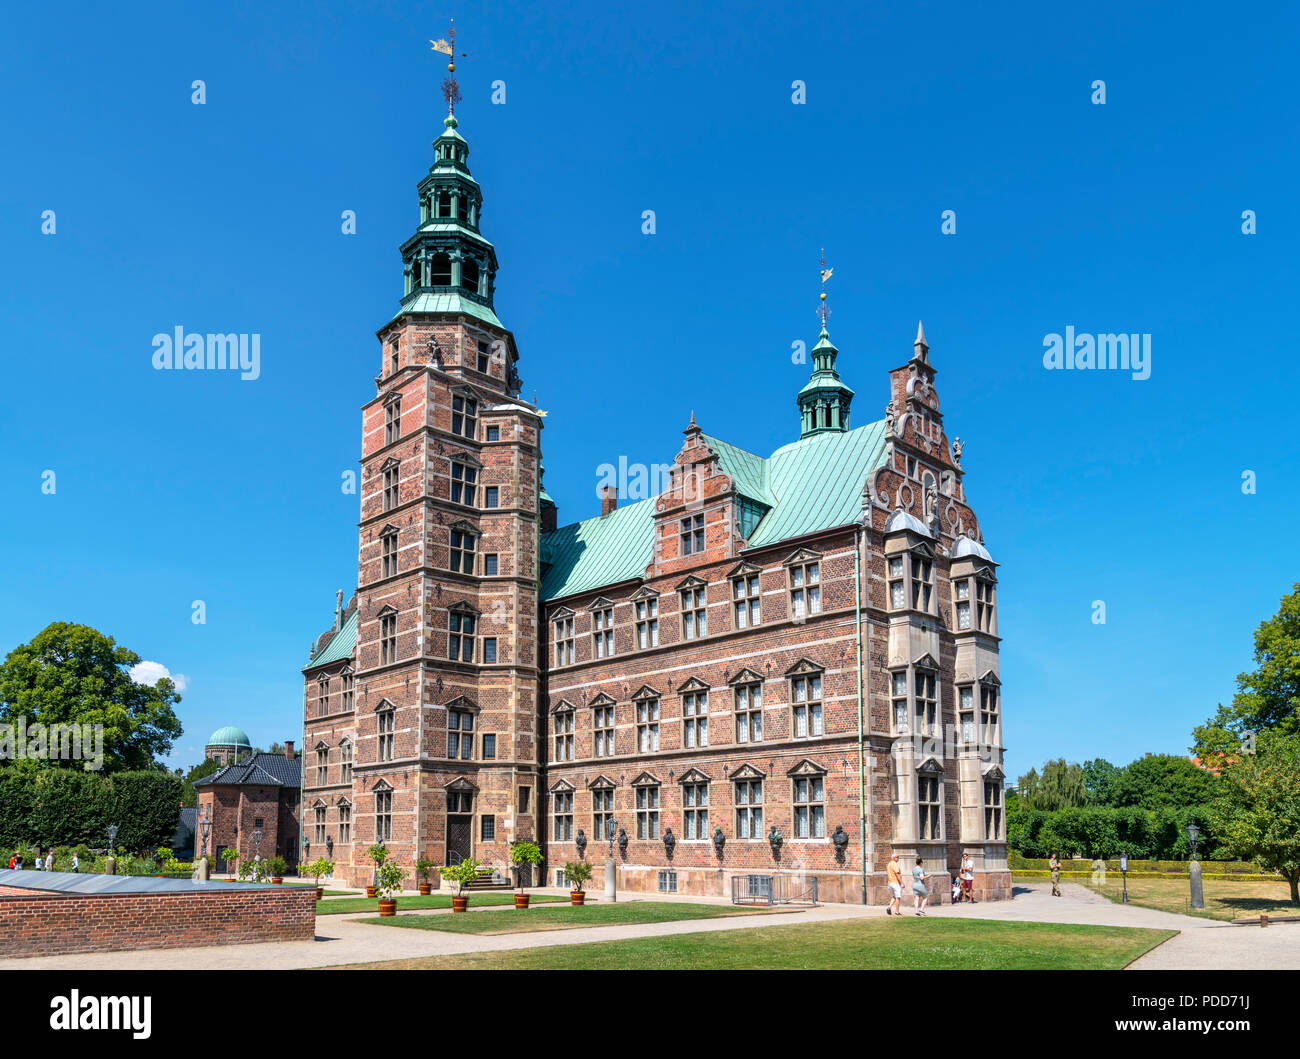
{"x":56,"y":924}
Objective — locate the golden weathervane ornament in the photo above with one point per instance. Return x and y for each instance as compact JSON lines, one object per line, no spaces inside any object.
{"x":823,"y":310}
{"x":450,"y":87}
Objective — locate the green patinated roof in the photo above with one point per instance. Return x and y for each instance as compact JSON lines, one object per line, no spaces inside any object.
{"x":809,"y":485}
{"x":340,"y":645}
{"x":228,"y":736}
{"x":457,"y":229}
{"x":449,"y":302}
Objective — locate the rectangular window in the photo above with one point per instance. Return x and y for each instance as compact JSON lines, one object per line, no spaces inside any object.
{"x":388,"y":544}
{"x":695,"y":810}
{"x":668,"y":882}
{"x":897,"y":589}
{"x":383,"y":816}
{"x":464,"y":413}
{"x":322,"y":767}
{"x":460,"y":734}
{"x":746,"y":607}
{"x":562,"y":816}
{"x":483,"y":358}
{"x":345,"y":761}
{"x":345,"y":823}
{"x":525,"y":797}
{"x":692,"y":535}
{"x":962,"y":590}
{"x":494,"y":433}
{"x":810,"y":808}
{"x":647,"y":726}
{"x":489,"y":747}
{"x":928,"y":804}
{"x":385,"y":725}
{"x":602,"y":625}
{"x":319,"y":815}
{"x":392,"y":421}
{"x":695,"y":621}
{"x":460,"y":637}
{"x":602,"y":720}
{"x":984,"y":605}
{"x":898,"y":699}
{"x":749,"y":713}
{"x":805,"y":590}
{"x":489,"y":649}
{"x":806,"y":694}
{"x":563,"y":726}
{"x":647,"y":623}
{"x":346,"y":703}
{"x":695,"y":719}
{"x":993,"y":811}
{"x":323,"y":696}
{"x":602,"y":813}
{"x":464,"y":488}
{"x":492,"y":496}
{"x":563,"y":640}
{"x":387,"y":639}
{"x":490,"y":564}
{"x":922,"y":582}
{"x":390,"y":488}
{"x":749,"y":808}
{"x":989,"y":714}
{"x":927,"y":707}
{"x":488,"y":828}
{"x":647,"y":813}
{"x":462,"y":552}
{"x":966,"y":712}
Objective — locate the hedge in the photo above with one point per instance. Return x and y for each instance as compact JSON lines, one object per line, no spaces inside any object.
{"x":1034,"y":873}
{"x":1017,"y":862}
{"x":66,"y":807}
{"x":1103,"y":832}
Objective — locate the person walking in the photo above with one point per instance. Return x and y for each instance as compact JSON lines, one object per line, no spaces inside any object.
{"x":967,"y":878}
{"x":13,"y":859}
{"x":49,"y":860}
{"x":920,"y":895}
{"x":894,"y":872}
{"x":1054,"y":865}
{"x":76,"y":864}
{"x":37,"y":858}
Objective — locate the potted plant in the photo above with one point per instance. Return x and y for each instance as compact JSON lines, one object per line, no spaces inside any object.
{"x":579,"y":872}
{"x":378,"y":853}
{"x":390,"y":885}
{"x":422,"y":868}
{"x":317,"y":868}
{"x":276,"y":867}
{"x":521,"y":853}
{"x":462,"y":875}
{"x":229,"y":857}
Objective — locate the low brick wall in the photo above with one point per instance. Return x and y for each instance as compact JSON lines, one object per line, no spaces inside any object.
{"x":34,"y":923}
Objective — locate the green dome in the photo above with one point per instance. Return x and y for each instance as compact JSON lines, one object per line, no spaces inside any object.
{"x":229,"y":736}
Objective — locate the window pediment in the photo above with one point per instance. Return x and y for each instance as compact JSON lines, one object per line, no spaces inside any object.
{"x":986,"y":573}
{"x":930,"y":766}
{"x":744,"y":569}
{"x":692,"y":582}
{"x":922,"y":550}
{"x":381,"y":785}
{"x":460,"y":783}
{"x":601,"y":782}
{"x":386,"y":610}
{"x":803,"y":667}
{"x":343,"y":802}
{"x":746,"y":676}
{"x":693,"y":775}
{"x":322,"y":745}
{"x":319,"y":803}
{"x":389,"y":530}
{"x":461,"y":702}
{"x":462,"y":606}
{"x":990,"y":677}
{"x":803,"y":555}
{"x":600,"y":603}
{"x":563,"y":706}
{"x":994,"y":772}
{"x":561,"y":612}
{"x":646,"y":779}
{"x":806,"y":767}
{"x":602,"y":700}
{"x":390,"y":464}
{"x":384,"y":706}
{"x":560,"y":787}
{"x":644,"y":592}
{"x":694,"y":684}
{"x":926,"y":661}
{"x":467,"y":459}
{"x":461,"y":526}
{"x":748,"y":772}
{"x":394,"y":397}
{"x":645,"y":692}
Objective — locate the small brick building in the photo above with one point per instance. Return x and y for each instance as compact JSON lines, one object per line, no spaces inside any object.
{"x":783,"y":663}
{"x":260,"y":792}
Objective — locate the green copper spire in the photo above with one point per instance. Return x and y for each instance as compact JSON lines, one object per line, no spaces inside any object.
{"x":824,"y":401}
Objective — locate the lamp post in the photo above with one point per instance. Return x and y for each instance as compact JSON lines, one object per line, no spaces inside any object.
{"x":1194,"y":868}
{"x":257,"y":855}
{"x":110,"y":862}
{"x":201,"y":869}
{"x":611,"y":866}
{"x":1123,"y":870}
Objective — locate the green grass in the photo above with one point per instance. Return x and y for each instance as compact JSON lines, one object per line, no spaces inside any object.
{"x":891,"y":944}
{"x":1223,"y":900}
{"x":526,"y":921}
{"x":409,"y":902}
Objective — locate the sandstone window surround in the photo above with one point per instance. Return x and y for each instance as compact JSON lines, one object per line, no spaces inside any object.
{"x":322,"y":695}
{"x":463,"y":476}
{"x":464,"y":414}
{"x":562,"y":716}
{"x":345,"y":820}
{"x":318,"y":820}
{"x":602,"y":725}
{"x":484,"y":358}
{"x":990,"y":688}
{"x":929,"y":801}
{"x":646,"y":702}
{"x":966,"y":714}
{"x":746,"y":600}
{"x":392,"y":418}
{"x":925,"y":680}
{"x":645,"y":609}
{"x":345,"y":760}
{"x":391,"y":493}
{"x":460,"y":733}
{"x":914,"y":698}
{"x":462,"y":541}
{"x":562,"y":812}
{"x":387,"y":636}
{"x":975,"y":601}
{"x":462,"y":628}
{"x":602,"y":628}
{"x":646,"y":789}
{"x":349,"y":684}
{"x":803,"y":584}
{"x":385,"y":730}
{"x":693,"y":593}
{"x":808,"y":797}
{"x":993,"y":801}
{"x":694,"y":694}
{"x":393,"y":359}
{"x":806,"y":719}
{"x":602,"y":808}
{"x":388,"y":550}
{"x":691,"y":535}
{"x":695,"y":806}
{"x":747,"y":784}
{"x":562,"y":643}
{"x":747,"y":701}
{"x":322,"y":764}
{"x":383,"y":812}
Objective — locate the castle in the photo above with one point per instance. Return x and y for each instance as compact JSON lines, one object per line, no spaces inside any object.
{"x":776,"y":665}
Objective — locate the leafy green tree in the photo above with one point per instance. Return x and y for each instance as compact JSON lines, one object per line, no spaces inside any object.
{"x":73,"y":674}
{"x":1267,"y":697}
{"x":1060,"y":786}
{"x":1162,"y":781}
{"x":206,"y":767}
{"x":1099,"y":781}
{"x":1257,"y":812}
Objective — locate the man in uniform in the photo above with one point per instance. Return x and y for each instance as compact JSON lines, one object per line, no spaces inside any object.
{"x":1054,"y":865}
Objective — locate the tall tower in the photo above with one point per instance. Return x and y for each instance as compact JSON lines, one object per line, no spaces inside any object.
{"x":447,"y":672}
{"x":824,"y":401}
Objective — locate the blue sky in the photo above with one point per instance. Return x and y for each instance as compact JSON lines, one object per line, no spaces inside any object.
{"x":1123,"y":217}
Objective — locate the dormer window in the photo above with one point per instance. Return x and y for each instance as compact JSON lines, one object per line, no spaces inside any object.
{"x":692,"y":535}
{"x":464,"y":415}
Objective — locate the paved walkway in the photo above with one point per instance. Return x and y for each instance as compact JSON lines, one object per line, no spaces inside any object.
{"x":1200,"y":943}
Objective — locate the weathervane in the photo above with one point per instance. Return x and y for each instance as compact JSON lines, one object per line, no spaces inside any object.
{"x":823,"y":310}
{"x":450,"y":87}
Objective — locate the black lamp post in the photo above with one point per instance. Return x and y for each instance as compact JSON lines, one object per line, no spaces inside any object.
{"x":112,"y":838}
{"x":1194,"y":869}
{"x":1123,"y":870}
{"x":1193,"y":834}
{"x":257,"y":854}
{"x":205,"y":829}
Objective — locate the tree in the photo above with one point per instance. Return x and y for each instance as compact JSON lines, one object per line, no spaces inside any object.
{"x":1257,"y":812}
{"x":1268,"y":697}
{"x":206,"y":767}
{"x":1099,"y":781}
{"x":1060,"y":786}
{"x":73,"y":674}
{"x":1162,"y":781}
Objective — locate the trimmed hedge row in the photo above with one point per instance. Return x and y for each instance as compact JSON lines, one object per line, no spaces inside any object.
{"x":67,"y":807}
{"x":1114,"y":873}
{"x":1092,"y":831}
{"x":1229,"y":867}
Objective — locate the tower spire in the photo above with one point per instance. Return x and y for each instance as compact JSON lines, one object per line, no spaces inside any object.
{"x":824,"y":401}
{"x":450,"y":86}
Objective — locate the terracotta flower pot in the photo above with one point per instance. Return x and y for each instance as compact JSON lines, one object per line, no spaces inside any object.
{"x":277,"y":880}
{"x":370,"y":891}
{"x":320,"y":892}
{"x":577,"y":897}
{"x":425,"y":889}
{"x":459,"y":904}
{"x":521,"y":900}
{"x":388,"y":906}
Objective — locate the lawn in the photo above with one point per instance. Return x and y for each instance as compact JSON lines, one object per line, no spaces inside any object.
{"x":854,"y":944}
{"x":563,"y":918}
{"x":1223,"y":900}
{"x":410,"y":902}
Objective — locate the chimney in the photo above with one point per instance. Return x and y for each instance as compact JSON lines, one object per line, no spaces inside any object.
{"x":338,"y":609}
{"x":608,"y":500}
{"x":288,"y":749}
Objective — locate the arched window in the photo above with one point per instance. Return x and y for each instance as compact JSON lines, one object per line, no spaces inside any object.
{"x":469,"y":274}
{"x":440,"y":271}
{"x":416,"y":275}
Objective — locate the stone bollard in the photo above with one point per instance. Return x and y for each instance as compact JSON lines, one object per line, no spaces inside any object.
{"x":1194,"y":874}
{"x":1263,"y":920}
{"x":611,"y":881}
{"x":110,"y":865}
{"x":201,"y":870}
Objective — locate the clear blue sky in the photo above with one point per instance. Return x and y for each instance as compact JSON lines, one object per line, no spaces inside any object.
{"x":1125,"y":217}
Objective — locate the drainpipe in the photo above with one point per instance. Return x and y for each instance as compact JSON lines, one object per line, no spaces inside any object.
{"x":857,"y":621}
